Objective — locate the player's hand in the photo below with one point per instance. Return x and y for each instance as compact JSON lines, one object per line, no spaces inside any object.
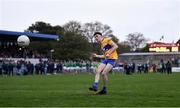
{"x":107,"y":55}
{"x":94,"y":55}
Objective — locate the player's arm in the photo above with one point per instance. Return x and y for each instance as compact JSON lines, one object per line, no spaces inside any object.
{"x":98,"y":56}
{"x":114,"y":47}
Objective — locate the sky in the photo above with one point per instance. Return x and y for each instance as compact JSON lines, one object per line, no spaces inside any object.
{"x":152,"y":18}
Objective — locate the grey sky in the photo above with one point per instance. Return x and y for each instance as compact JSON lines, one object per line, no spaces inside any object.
{"x":153,"y":18}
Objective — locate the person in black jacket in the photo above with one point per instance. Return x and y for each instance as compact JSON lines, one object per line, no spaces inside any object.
{"x":169,"y":67}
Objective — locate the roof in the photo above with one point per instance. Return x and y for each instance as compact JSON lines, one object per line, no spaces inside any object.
{"x":13,"y":35}
{"x":178,"y":42}
{"x":150,"y":53}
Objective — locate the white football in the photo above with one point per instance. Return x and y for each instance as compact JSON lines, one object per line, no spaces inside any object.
{"x":23,"y":40}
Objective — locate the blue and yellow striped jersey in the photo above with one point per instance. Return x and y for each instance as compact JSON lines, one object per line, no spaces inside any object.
{"x":106,"y":45}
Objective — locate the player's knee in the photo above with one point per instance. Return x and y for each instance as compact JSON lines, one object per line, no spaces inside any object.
{"x":103,"y":73}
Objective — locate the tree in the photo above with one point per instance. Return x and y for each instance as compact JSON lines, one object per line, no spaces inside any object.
{"x":42,"y":27}
{"x":136,"y":41}
{"x":90,"y":28}
{"x":73,"y":27}
{"x":73,"y":47}
{"x":145,"y":49}
{"x":123,"y":47}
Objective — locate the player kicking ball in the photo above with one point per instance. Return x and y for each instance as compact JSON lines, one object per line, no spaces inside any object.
{"x":110,"y":56}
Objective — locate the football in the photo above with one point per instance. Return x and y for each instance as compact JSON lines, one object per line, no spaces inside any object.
{"x":23,"y":40}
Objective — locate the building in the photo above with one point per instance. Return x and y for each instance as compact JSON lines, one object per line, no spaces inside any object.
{"x":163,"y":47}
{"x":157,"y":51}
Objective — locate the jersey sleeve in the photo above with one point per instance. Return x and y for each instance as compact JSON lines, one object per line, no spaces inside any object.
{"x":110,"y":42}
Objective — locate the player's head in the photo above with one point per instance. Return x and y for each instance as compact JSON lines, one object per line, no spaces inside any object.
{"x":98,"y":36}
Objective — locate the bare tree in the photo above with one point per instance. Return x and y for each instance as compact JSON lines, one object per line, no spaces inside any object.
{"x":136,"y":40}
{"x":73,"y":27}
{"x":90,"y":28}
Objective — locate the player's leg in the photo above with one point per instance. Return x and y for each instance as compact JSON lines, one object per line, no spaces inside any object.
{"x":104,"y":73}
{"x":97,"y":77}
{"x":106,"y":70}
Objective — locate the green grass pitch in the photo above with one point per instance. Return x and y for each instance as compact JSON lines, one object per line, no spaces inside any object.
{"x":69,"y":90}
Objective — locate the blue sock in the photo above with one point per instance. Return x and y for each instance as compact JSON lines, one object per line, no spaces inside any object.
{"x":95,"y":85}
{"x":104,"y":88}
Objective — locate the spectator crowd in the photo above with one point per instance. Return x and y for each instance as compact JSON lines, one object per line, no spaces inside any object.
{"x":23,"y":67}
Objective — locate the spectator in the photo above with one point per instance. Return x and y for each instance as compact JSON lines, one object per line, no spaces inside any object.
{"x":168,"y":68}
